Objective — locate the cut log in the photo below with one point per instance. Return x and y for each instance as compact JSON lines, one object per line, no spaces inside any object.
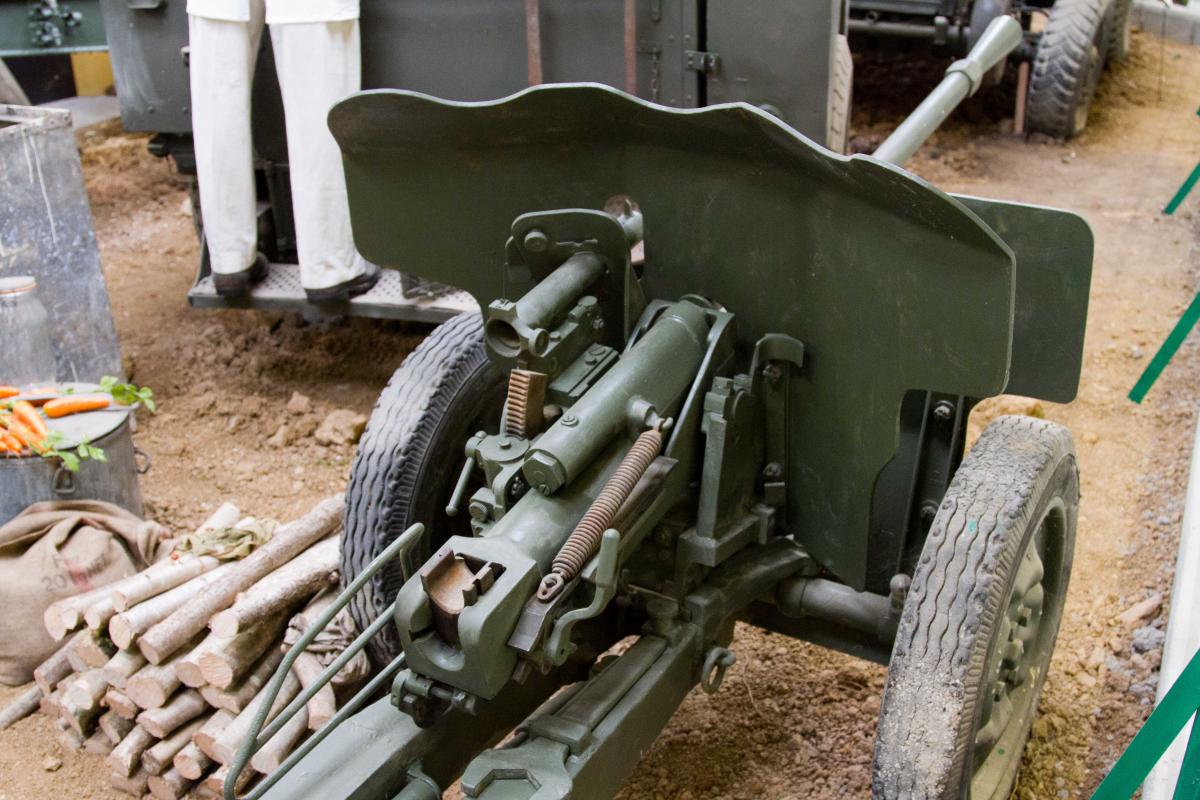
{"x":167,"y":637}
{"x":121,"y":666}
{"x":115,"y":726}
{"x":322,"y":705}
{"x":86,"y":689}
{"x":191,"y":762}
{"x":94,"y":647}
{"x":280,"y":746}
{"x":98,"y":744}
{"x":51,"y":704}
{"x":70,"y":739}
{"x":226,"y":665}
{"x":215,"y":782}
{"x":311,"y":612}
{"x":152,"y":685}
{"x":296,"y":581}
{"x":98,"y":613}
{"x":119,"y":702}
{"x":170,"y":785}
{"x":188,"y":666}
{"x":159,"y":756}
{"x":74,"y":656}
{"x":174,"y":570}
{"x":208,"y":733}
{"x":236,"y":697}
{"x":81,"y":716}
{"x":65,"y":615}
{"x":126,"y":756}
{"x":21,"y":707}
{"x":126,"y":626}
{"x":185,"y":706}
{"x":52,"y":670}
{"x":226,"y":745}
{"x":129,"y":784}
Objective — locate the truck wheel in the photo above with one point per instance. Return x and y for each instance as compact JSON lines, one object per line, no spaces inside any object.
{"x":409,"y":460}
{"x":1118,"y":31}
{"x":841,"y":90}
{"x":1066,"y":69}
{"x":982,"y":614}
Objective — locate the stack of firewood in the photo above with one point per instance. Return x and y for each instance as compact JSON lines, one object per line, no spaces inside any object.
{"x":162,"y":671}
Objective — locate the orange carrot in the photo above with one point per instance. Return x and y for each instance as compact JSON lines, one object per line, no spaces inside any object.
{"x":30,"y":418}
{"x":75,"y":404}
{"x":8,"y":391}
{"x":19,"y":430}
{"x":10,"y":443}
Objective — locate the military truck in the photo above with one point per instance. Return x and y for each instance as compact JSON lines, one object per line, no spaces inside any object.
{"x":1067,"y":43}
{"x":790,"y":59}
{"x":721,"y":373}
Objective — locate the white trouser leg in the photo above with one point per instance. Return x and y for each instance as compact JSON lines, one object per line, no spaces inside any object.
{"x":222,"y":55}
{"x":318,"y":64}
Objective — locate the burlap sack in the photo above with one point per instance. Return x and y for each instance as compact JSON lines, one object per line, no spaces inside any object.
{"x":53,"y":550}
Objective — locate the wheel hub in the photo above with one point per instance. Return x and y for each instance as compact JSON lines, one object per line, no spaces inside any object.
{"x":1017,"y":658}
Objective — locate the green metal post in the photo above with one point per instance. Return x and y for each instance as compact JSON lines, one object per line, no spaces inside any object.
{"x":1188,"y":785}
{"x":1177,"y":707}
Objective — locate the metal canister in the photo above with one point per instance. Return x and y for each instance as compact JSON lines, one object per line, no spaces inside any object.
{"x":32,"y":479}
{"x":28,"y":355}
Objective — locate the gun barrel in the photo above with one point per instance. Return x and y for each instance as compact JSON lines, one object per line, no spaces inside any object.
{"x":962,"y":80}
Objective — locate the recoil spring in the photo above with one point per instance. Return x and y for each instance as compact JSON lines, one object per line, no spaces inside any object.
{"x":581,"y":545}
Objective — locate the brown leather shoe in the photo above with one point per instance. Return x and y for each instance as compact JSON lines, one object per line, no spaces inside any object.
{"x":341,"y":292}
{"x":237,"y":284}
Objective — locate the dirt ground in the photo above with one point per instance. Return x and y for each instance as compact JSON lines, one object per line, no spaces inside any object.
{"x":792,"y":721}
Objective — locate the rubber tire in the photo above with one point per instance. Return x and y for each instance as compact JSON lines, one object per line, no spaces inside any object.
{"x":1118,"y":27}
{"x":1066,"y":69}
{"x":841,"y":90}
{"x":409,"y":459}
{"x":932,"y":699}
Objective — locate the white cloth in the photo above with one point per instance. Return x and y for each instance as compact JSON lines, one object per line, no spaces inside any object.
{"x":277,"y":11}
{"x":222,"y":66}
{"x":318,"y":64}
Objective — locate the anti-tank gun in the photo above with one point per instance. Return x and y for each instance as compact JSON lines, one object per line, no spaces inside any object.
{"x":720,"y":373}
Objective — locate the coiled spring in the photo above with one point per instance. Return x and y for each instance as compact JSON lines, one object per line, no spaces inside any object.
{"x":582,"y":543}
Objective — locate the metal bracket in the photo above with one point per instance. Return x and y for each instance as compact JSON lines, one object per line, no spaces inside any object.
{"x":558,"y":644}
{"x":703,"y":61}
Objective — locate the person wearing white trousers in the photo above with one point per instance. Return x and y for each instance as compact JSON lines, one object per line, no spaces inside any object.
{"x":316,"y":48}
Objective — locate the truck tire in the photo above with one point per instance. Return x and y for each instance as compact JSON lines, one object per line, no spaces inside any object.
{"x":409,"y":459}
{"x":979,"y":624}
{"x":841,"y":90}
{"x":1118,"y":31}
{"x":1067,"y":67}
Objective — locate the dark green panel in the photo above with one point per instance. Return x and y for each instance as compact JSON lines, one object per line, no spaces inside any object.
{"x":888,"y":282}
{"x":1054,"y":275}
{"x":778,"y":54}
{"x":146,"y":43}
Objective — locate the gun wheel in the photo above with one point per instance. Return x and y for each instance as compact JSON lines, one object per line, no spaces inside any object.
{"x":981,"y":618}
{"x":410,"y":457}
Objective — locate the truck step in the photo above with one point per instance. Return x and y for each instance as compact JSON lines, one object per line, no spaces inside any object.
{"x":281,"y":291}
